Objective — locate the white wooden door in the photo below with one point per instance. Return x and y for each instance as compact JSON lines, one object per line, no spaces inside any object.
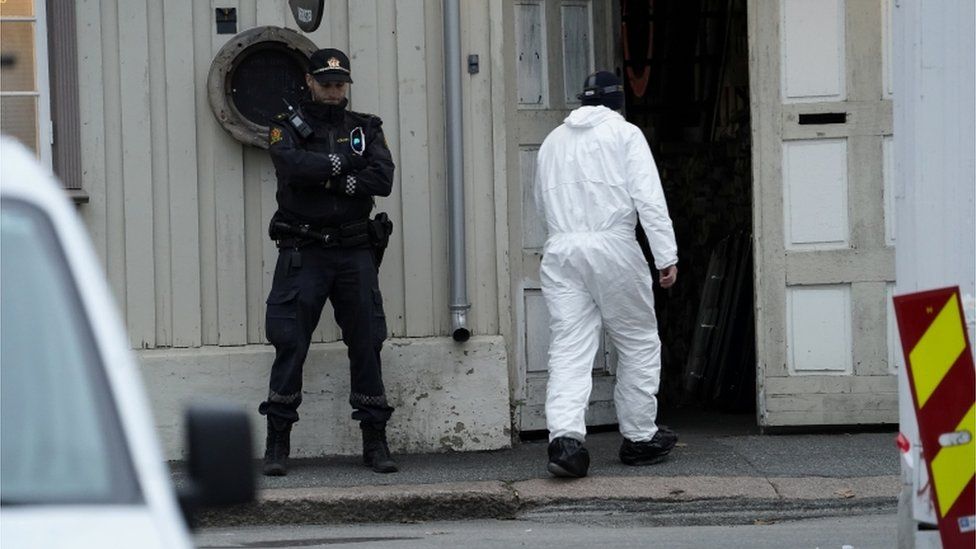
{"x":557,"y":43}
{"x":822,"y":124}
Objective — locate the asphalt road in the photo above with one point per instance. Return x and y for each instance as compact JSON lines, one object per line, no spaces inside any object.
{"x":569,"y":531}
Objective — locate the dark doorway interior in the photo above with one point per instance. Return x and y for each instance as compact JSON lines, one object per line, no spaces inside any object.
{"x":685,"y":72}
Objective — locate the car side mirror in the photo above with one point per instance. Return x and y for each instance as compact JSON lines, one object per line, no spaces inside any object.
{"x":219,"y":462}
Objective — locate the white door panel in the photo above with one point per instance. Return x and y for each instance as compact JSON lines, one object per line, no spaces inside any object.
{"x":889,"y":191}
{"x":533,"y":228}
{"x":888,"y":14}
{"x":577,"y":47}
{"x":815,"y":188}
{"x":531,"y":55}
{"x":536,"y":331}
{"x":813,"y":46}
{"x":819,"y":331}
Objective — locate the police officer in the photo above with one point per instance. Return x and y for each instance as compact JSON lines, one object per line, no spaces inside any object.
{"x":330,"y":163}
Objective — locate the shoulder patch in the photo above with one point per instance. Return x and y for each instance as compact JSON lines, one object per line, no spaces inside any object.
{"x":274,"y":135}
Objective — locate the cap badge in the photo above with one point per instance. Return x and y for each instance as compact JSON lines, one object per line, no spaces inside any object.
{"x":333,"y":63}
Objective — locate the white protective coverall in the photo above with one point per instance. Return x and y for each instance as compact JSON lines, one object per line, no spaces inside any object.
{"x":594,"y":175}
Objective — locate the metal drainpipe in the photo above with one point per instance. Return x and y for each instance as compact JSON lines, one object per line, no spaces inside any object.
{"x":455,"y":172}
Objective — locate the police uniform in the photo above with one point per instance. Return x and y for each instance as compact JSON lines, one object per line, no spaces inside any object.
{"x":327,"y":250}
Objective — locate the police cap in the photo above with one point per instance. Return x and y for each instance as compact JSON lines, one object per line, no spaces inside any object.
{"x":330,"y":65}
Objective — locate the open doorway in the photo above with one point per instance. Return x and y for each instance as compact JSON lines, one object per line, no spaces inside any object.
{"x":685,"y":71}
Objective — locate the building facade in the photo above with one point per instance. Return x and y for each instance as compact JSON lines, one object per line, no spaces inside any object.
{"x":178,"y":209}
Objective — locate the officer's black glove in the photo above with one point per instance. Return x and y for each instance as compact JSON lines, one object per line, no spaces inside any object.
{"x":344,"y":169}
{"x":345,"y":185}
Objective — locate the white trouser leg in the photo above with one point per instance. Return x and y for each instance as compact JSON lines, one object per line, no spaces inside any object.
{"x":628,"y":307}
{"x":574,"y":340}
{"x":638,"y":378}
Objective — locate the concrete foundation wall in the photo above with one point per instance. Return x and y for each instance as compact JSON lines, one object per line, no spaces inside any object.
{"x":448,"y":396}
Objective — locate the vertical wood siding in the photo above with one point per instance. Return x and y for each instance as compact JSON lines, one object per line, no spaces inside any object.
{"x":480,"y":233}
{"x":159,"y":173}
{"x":183,"y":180}
{"x":415,"y":190}
{"x":179,"y":209}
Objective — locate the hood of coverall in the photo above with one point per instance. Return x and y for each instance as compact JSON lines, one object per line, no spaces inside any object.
{"x":590,"y":116}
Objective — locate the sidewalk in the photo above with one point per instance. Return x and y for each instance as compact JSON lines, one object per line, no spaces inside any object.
{"x":721,"y":471}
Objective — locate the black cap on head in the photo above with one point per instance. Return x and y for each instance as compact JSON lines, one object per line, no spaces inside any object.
{"x":602,"y":88}
{"x":330,"y":65}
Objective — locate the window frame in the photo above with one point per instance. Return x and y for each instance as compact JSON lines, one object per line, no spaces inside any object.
{"x":56,"y":80}
{"x":42,"y":80}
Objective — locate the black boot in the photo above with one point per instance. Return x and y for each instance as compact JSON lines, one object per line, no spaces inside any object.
{"x":568,"y":458}
{"x":376,"y":452}
{"x":649,"y":452}
{"x":277,"y":447}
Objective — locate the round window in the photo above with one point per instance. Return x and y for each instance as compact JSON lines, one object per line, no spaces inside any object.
{"x":252,"y":77}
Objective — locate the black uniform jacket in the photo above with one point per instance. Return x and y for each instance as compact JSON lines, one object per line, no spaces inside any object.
{"x":323,"y":180}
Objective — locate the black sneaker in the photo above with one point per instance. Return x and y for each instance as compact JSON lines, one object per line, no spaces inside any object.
{"x":649,"y":452}
{"x":568,"y":458}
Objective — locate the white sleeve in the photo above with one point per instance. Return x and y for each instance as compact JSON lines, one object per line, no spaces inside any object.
{"x":645,"y":189}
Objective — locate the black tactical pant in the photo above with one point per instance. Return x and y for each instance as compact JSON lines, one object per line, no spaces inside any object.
{"x":303,"y":280}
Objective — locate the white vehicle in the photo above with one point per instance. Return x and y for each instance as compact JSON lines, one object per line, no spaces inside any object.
{"x":79,"y":462}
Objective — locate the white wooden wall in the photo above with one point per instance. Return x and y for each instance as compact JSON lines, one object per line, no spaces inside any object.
{"x":179,"y":210}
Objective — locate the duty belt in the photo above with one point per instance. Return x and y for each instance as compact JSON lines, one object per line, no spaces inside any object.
{"x":297,"y":235}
